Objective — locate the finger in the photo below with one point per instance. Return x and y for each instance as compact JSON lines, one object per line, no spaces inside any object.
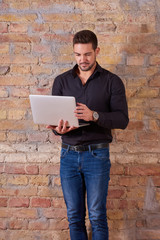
{"x":65,"y":126}
{"x":80,"y":104}
{"x":50,"y":127}
{"x":60,"y":125}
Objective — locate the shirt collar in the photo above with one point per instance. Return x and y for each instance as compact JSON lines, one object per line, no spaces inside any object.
{"x":97,"y":69}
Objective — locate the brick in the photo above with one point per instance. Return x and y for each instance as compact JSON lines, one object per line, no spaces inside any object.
{"x":3,"y":138}
{"x":14,"y":37}
{"x":49,"y":148}
{"x":24,"y":213}
{"x":148,"y":93}
{"x":128,"y":28}
{"x":7,"y":191}
{"x":115,"y":214}
{"x":109,"y":59}
{"x":3,"y":202}
{"x":24,"y":147}
{"x":148,"y":234}
{"x":15,"y":103}
{"x":58,"y":224}
{"x":57,"y":38}
{"x":20,"y":5}
{"x":3,"y":114}
{"x":153,"y":221}
{"x":3,"y":224}
{"x":153,"y":125}
{"x":116,"y":169}
{"x":16,"y":158}
{"x":4,"y":70}
{"x":56,"y":182}
{"x":141,"y":170}
{"x":16,"y":136}
{"x":155,"y":81}
{"x":18,"y":28}
{"x":125,"y":136}
{"x":49,"y":169}
{"x":154,"y":103}
{"x":55,"y":213}
{"x":20,"y":70}
{"x":40,"y":202}
{"x":149,"y":48}
{"x":135,"y":125}
{"x":40,"y":27}
{"x":3,"y":180}
{"x":135,"y":60}
{"x":50,"y":191}
{"x":38,"y":225}
{"x":116,"y":193}
{"x":18,"y":18}
{"x":32,"y":169}
{"x":3,"y":27}
{"x":28,"y":191}
{"x":38,"y":157}
{"x":27,"y":59}
{"x":41,"y":48}
{"x":127,"y":204}
{"x":39,"y":180}
{"x":16,"y":114}
{"x":136,"y":82}
{"x":18,"y":202}
{"x":58,"y":203}
{"x":37,"y":137}
{"x":17,"y":224}
{"x":128,"y":181}
{"x":18,"y":180}
{"x":21,"y":48}
{"x":4,"y":92}
{"x":6,"y":148}
{"x":47,"y":59}
{"x":15,"y":169}
{"x":16,"y":81}
{"x":149,"y":147}
{"x":109,"y":39}
{"x":37,"y":70}
{"x":61,"y":17}
{"x":5,"y":212}
{"x":155,"y":60}
{"x":148,"y":136}
{"x":105,"y":27}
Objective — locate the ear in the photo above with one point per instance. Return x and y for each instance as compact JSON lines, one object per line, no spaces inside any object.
{"x":97,"y":50}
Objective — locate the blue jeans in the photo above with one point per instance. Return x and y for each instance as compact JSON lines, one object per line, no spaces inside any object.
{"x":86,"y":172}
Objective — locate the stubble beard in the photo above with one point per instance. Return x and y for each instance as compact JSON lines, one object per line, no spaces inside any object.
{"x":86,"y":69}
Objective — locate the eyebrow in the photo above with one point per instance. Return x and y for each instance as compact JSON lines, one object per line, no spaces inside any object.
{"x":84,"y":53}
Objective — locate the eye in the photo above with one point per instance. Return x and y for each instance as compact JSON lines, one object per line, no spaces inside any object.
{"x":88,"y":54}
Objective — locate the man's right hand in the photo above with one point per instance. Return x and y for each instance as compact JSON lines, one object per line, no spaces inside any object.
{"x":62,"y":127}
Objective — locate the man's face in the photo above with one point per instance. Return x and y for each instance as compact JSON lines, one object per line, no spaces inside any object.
{"x":85,"y":56}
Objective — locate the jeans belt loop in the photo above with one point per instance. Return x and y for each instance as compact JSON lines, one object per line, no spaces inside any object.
{"x":90,"y":149}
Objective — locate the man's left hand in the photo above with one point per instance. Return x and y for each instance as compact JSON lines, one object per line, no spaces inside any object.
{"x":83,"y":112}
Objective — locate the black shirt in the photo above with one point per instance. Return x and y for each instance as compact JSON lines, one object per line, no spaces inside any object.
{"x":104,"y":93}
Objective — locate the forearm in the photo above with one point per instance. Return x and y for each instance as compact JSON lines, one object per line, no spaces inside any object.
{"x":113,"y":120}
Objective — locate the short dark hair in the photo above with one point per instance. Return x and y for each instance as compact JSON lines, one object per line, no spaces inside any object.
{"x":86,"y":36}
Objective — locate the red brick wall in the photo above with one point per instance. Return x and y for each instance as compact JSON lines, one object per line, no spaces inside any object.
{"x":36,"y":46}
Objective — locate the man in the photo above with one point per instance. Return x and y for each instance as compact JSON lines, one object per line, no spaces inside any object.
{"x":85,"y":163}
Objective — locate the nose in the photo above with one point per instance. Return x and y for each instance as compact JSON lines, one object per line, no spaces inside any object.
{"x":83,"y":58}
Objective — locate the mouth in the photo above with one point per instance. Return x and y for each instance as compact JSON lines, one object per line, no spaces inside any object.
{"x":84,"y":64}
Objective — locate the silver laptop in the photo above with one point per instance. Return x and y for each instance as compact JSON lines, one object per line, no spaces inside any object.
{"x":50,"y":109}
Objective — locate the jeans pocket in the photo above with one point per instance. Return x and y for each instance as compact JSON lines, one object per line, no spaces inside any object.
{"x":63,"y":152}
{"x":102,"y":154}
